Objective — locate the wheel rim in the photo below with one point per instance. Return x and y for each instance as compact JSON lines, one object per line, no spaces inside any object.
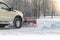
{"x":18,"y":23}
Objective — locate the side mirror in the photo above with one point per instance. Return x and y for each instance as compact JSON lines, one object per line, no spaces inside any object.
{"x":10,"y":9}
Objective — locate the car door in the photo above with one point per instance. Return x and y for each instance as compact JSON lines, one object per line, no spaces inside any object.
{"x":4,"y":13}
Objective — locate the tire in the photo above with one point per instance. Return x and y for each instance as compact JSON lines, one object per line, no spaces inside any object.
{"x":17,"y":22}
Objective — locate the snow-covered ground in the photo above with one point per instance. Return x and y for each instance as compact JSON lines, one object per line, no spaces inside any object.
{"x":49,"y":25}
{"x":44,"y":26}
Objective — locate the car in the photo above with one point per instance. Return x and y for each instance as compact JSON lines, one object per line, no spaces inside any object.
{"x":10,"y":16}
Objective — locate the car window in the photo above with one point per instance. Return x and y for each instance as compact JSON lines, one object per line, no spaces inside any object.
{"x":3,"y":6}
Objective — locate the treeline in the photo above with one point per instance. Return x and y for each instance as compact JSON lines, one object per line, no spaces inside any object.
{"x":32,"y":8}
{"x":28,"y":7}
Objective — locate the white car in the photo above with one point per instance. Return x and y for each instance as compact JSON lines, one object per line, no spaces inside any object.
{"x":10,"y":16}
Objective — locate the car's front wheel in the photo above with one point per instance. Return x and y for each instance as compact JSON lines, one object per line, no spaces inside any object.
{"x":17,"y":22}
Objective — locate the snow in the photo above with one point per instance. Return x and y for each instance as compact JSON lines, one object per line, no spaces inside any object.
{"x":44,"y":26}
{"x":49,"y":25}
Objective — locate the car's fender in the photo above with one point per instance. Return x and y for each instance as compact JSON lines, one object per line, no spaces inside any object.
{"x":17,"y":13}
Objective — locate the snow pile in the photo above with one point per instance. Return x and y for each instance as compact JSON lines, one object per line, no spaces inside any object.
{"x":48,"y":25}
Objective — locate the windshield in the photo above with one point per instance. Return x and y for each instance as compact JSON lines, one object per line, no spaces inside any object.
{"x":3,"y":5}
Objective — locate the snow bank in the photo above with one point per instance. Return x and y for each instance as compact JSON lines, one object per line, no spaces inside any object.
{"x":48,"y":21}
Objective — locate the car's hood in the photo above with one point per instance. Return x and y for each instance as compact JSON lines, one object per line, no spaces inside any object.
{"x":18,"y":12}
